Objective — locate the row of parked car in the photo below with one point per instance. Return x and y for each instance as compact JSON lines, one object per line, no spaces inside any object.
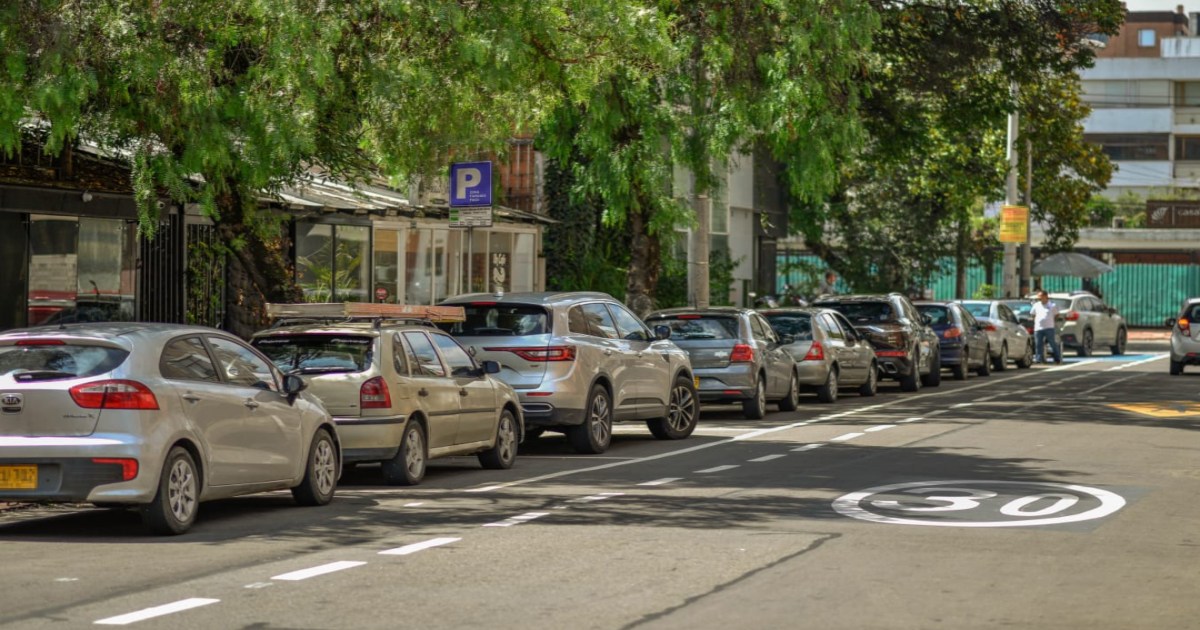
{"x":162,"y":417}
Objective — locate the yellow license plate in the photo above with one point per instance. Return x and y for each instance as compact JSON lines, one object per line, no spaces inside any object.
{"x":696,"y":381}
{"x":18,"y":477}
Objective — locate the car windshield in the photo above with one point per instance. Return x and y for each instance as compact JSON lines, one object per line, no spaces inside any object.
{"x":317,"y":353}
{"x":798,"y":325}
{"x":699,"y":326}
{"x":862,"y":312}
{"x":45,"y":360}
{"x":499,"y":320}
{"x":938,"y":315}
{"x":978,"y":309}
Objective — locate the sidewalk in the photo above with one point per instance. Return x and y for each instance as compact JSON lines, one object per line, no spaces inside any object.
{"x":1150,"y":334}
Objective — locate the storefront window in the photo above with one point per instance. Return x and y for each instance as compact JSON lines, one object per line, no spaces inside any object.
{"x":418,"y":256}
{"x":524,"y":261}
{"x":353,"y":273}
{"x":332,"y":262}
{"x":477,"y":271}
{"x":314,"y":261}
{"x":500,"y":262}
{"x":80,"y":270}
{"x":387,"y":266}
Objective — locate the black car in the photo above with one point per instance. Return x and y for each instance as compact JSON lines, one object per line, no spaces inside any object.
{"x":906,"y":348}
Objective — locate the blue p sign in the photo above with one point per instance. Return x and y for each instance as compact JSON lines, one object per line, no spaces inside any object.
{"x":470,"y":184}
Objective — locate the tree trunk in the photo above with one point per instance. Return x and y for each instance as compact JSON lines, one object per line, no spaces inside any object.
{"x":960,"y":261}
{"x":260,"y":270}
{"x":644,"y":263}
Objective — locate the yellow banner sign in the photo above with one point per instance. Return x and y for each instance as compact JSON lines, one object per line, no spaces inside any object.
{"x":1013,"y":223}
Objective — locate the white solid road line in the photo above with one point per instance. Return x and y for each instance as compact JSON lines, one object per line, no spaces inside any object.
{"x":1133,"y":363}
{"x":919,"y":418}
{"x":517,"y":520}
{"x":716,"y":469}
{"x":879,"y":427}
{"x":848,"y":436}
{"x":597,"y":497}
{"x":766,"y":458}
{"x":421,"y":546}
{"x":807,"y":447}
{"x":1120,"y":380}
{"x":157,"y":611}
{"x":660,"y":482}
{"x":304,"y":574}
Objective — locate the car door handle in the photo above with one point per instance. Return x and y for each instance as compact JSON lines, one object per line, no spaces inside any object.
{"x":190,"y":397}
{"x":251,"y":403}
{"x":608,"y":352}
{"x":422,"y":392}
{"x":462,"y":392}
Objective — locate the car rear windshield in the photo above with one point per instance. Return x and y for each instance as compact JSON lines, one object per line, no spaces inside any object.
{"x":798,"y":325}
{"x":1021,"y":308}
{"x":500,"y":320}
{"x":36,"y":360}
{"x":938,"y":315}
{"x":1063,"y":305}
{"x":699,"y":326}
{"x":1192,"y":313}
{"x":863,"y":312}
{"x":318,"y":354}
{"x":978,"y":309}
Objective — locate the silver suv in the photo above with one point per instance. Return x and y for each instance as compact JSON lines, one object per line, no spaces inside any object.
{"x":1089,"y":323}
{"x":1185,"y":336}
{"x":579,"y":362}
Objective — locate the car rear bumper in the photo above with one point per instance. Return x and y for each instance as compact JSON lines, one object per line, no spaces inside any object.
{"x":539,"y":412}
{"x":812,"y":373}
{"x":894,"y":367}
{"x":731,"y":383}
{"x":951,"y":354}
{"x":81,"y":478}
{"x":369,"y":439}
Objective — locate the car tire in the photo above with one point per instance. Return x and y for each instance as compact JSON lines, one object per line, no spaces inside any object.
{"x":1176,"y":367}
{"x":756,"y":408}
{"x":791,"y":402}
{"x":1122,"y":338}
{"x":1026,"y":361}
{"x":595,"y":434}
{"x":1001,"y":362}
{"x":407,"y":467}
{"x":177,"y":501}
{"x":934,"y":377}
{"x":871,"y":387}
{"x":502,"y":455}
{"x":959,"y":371}
{"x":683,"y":411}
{"x":985,"y":369}
{"x":911,"y":382}
{"x":828,"y":393}
{"x":320,"y":473}
{"x":1085,"y":344}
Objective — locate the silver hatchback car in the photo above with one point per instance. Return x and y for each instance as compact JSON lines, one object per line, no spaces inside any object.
{"x":579,"y":362}
{"x":736,"y":356}
{"x":1185,"y":336}
{"x":829,"y":353}
{"x":158,"y":417}
{"x":1007,"y":337}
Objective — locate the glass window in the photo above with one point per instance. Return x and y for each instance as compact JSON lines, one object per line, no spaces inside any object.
{"x":241,"y":365}
{"x":51,"y":362}
{"x":426,"y":361}
{"x":628,"y":325}
{"x":599,"y":322}
{"x":1187,"y":148}
{"x":938,"y":315}
{"x":758,"y":330}
{"x":500,"y":262}
{"x":862,"y":311}
{"x":524,"y":261}
{"x":351,"y":264}
{"x":847,"y":329}
{"x":478,"y":261}
{"x":318,"y":354}
{"x":978,"y":309}
{"x":1191,"y":314}
{"x":699,"y":327}
{"x":459,"y":361}
{"x":1146,"y":37}
{"x":577,"y":322}
{"x":503,"y":320}
{"x":1148,"y":146}
{"x":400,"y":355}
{"x":386,"y":256}
{"x":1188,"y":93}
{"x":333,"y":262}
{"x":798,"y":325}
{"x":52,"y":267}
{"x":438,"y":265}
{"x":314,"y":261}
{"x":830,"y":326}
{"x":187,"y":360}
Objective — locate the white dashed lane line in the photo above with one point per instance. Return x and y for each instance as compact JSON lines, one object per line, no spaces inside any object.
{"x":597,"y":497}
{"x":879,"y":427}
{"x":1133,"y":363}
{"x":660,"y":482}
{"x":848,"y":436}
{"x":304,"y":574}
{"x":918,"y":418}
{"x":767,"y":458}
{"x":807,"y":447}
{"x":157,"y":611}
{"x":421,"y":546}
{"x":716,"y":469}
{"x":517,"y":520}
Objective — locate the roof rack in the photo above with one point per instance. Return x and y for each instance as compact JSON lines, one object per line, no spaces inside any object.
{"x":351,"y":311}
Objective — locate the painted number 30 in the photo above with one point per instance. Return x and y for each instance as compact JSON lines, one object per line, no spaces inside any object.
{"x":971,"y":497}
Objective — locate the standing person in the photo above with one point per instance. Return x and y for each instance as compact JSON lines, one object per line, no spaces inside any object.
{"x":1045,"y":328}
{"x":826,"y":286}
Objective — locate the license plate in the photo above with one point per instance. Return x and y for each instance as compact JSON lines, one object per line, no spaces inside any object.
{"x":18,"y":477}
{"x":696,"y":381}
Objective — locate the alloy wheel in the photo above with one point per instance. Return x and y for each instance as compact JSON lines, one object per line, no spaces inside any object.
{"x":598,"y":419}
{"x":414,"y":457}
{"x":181,"y":491}
{"x":682,"y":409}
{"x":325,"y":467}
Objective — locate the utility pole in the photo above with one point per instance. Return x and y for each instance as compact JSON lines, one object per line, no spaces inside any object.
{"x":698,"y":284}
{"x":1009,"y":275}
{"x":1027,"y":247}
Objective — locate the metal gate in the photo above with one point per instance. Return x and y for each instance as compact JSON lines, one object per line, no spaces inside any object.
{"x":161,"y":279}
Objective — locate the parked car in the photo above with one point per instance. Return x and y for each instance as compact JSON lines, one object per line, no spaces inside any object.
{"x":155,"y":416}
{"x":1023,"y":309}
{"x":736,"y":357}
{"x":401,"y":391}
{"x":963,"y":343}
{"x":579,"y":362}
{"x":829,"y":353}
{"x":1089,"y":323}
{"x":1009,"y":339}
{"x":906,"y":348}
{"x":1185,"y":336}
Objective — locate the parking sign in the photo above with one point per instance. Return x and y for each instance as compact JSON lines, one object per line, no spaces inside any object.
{"x":470,"y":184}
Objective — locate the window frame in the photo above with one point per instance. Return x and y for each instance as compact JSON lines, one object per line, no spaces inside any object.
{"x":438,"y":355}
{"x":207,"y":353}
{"x":1141,"y":38}
{"x":473,"y":366}
{"x":275,"y":374}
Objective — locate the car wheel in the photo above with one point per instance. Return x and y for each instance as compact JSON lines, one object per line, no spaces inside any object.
{"x":985,"y":369}
{"x":683,"y":411}
{"x":828,"y":392}
{"x":959,"y":371}
{"x":1122,"y":338}
{"x":756,"y":408}
{"x":174,"y":507}
{"x":1085,"y":344}
{"x":870,"y":387}
{"x":911,"y":382}
{"x":595,"y":434}
{"x":934,"y":377}
{"x":504,"y":453}
{"x":1026,"y":361}
{"x":1001,"y":362}
{"x":321,"y":472}
{"x":792,"y":401}
{"x":407,"y":468}
{"x":1176,"y":368}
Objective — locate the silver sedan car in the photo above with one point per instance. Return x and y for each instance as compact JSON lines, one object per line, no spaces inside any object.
{"x":736,"y":357}
{"x":1008,"y":338}
{"x":829,"y":353}
{"x":155,"y":416}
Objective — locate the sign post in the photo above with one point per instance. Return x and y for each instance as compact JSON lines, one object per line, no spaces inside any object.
{"x":470,"y":203}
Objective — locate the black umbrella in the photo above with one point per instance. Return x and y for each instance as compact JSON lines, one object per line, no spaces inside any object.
{"x":1070,"y":264}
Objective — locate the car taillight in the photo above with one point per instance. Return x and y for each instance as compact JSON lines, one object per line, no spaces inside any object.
{"x":815,"y":353}
{"x":113,"y":394}
{"x":129,"y":467}
{"x":742,"y":353}
{"x":41,"y":342}
{"x":374,"y":394}
{"x":1073,"y":316}
{"x":1185,"y":327}
{"x":989,"y":327}
{"x":952,"y":332}
{"x":538,"y":355}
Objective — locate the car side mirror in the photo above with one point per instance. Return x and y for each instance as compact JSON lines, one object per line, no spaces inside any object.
{"x":662,"y":332}
{"x":490,"y":367}
{"x":292,"y":386}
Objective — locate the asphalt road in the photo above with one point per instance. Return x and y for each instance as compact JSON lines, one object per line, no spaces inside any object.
{"x":1056,"y":497}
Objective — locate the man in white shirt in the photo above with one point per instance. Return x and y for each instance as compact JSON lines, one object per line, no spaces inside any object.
{"x":1045,"y":329}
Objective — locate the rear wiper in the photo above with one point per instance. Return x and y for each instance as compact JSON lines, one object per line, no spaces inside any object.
{"x":42,"y":375}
